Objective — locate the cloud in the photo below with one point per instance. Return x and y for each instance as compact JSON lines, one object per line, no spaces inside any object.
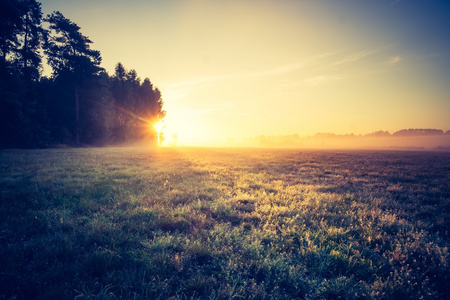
{"x":355,"y":57}
{"x":269,"y":72}
{"x":291,"y":67}
{"x":394,"y":60}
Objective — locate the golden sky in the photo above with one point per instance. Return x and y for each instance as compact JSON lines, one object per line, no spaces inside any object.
{"x":234,"y":69}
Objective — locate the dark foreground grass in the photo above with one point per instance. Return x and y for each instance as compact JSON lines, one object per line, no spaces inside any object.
{"x":223,"y":224}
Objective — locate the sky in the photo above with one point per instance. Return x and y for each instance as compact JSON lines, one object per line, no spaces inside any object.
{"x":230,"y":70}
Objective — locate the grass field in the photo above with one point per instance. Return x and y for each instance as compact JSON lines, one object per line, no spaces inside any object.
{"x":126,"y":223}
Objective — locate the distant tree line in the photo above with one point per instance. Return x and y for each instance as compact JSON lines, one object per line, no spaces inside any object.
{"x":400,"y":133}
{"x":79,"y":104}
{"x":419,"y":132}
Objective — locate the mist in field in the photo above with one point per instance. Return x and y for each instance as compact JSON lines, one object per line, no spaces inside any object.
{"x":377,"y":140}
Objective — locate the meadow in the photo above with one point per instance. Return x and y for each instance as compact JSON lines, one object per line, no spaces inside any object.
{"x":187,"y":223}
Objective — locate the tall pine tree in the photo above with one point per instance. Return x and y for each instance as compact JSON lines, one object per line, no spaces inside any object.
{"x":21,"y":37}
{"x":72,"y":60}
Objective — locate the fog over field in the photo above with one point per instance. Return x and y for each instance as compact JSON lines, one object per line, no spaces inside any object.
{"x":379,"y":140}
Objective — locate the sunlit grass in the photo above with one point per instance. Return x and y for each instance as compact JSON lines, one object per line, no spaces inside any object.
{"x":221,"y":224}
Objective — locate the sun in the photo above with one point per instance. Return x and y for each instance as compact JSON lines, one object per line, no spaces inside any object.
{"x":159,"y":126}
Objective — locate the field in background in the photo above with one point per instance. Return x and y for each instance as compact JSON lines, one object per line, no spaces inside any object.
{"x":223,"y":223}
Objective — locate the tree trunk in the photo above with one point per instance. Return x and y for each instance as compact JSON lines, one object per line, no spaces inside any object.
{"x":77,"y":115}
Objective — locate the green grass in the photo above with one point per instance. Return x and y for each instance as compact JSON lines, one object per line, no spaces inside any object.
{"x":127,"y":223}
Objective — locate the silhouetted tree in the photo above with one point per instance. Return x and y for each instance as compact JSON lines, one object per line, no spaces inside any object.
{"x":379,"y":133}
{"x":31,"y":38}
{"x":20,"y":62}
{"x":21,"y":36}
{"x":98,"y":111}
{"x":10,"y":23}
{"x":12,"y":119}
{"x":418,"y":132}
{"x":120,"y":72}
{"x":138,"y":105}
{"x":70,"y":56}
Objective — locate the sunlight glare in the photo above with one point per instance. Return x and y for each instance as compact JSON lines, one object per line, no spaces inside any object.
{"x":184,"y":129}
{"x":159,"y":127}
